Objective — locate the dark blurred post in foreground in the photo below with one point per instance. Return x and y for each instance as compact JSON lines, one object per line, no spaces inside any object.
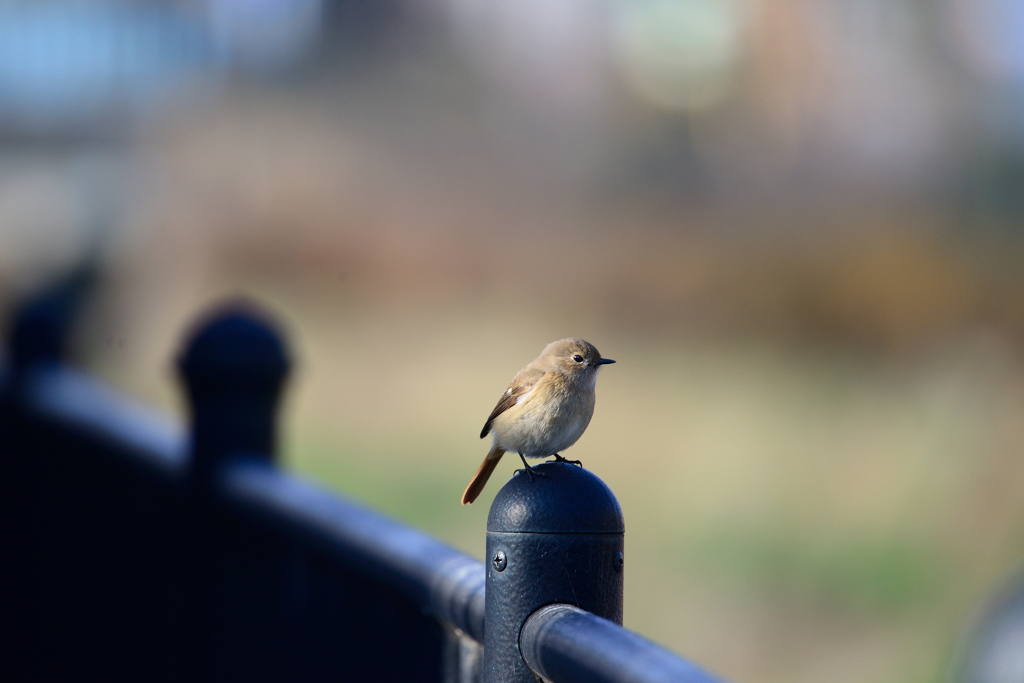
{"x":233,"y":367}
{"x":91,"y":514}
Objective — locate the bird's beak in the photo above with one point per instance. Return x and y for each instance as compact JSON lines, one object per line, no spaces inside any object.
{"x":604,"y":361}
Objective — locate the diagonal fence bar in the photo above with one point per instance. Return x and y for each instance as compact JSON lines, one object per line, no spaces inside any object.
{"x":565,"y":644}
{"x":440,"y":580}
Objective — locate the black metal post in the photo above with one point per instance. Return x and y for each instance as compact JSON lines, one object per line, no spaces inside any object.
{"x":37,"y":337}
{"x":233,"y":366}
{"x":554,"y":538}
{"x":42,"y":326}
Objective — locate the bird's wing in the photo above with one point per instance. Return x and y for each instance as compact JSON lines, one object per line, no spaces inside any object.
{"x":522,"y":384}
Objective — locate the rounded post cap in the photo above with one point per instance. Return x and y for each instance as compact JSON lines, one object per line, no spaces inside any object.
{"x":38,"y":333}
{"x":561,"y":498}
{"x":236,"y":345}
{"x":42,"y":324}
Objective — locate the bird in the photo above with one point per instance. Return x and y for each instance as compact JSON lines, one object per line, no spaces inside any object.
{"x":545,"y":409}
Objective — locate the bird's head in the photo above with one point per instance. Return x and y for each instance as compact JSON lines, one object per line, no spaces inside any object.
{"x":573,"y":356}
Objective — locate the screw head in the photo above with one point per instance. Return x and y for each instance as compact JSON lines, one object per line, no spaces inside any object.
{"x":500,"y":561}
{"x":618,"y":561}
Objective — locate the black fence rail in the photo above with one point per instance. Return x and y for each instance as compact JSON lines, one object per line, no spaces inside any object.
{"x":137,"y":550}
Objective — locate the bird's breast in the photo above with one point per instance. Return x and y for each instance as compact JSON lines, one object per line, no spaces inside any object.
{"x":547,"y":420}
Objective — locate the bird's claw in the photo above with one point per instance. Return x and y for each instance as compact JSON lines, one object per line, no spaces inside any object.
{"x":559,"y":458}
{"x":530,"y":471}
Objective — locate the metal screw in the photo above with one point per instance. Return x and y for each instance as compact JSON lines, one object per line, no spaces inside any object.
{"x":500,"y":561}
{"x":618,"y":561}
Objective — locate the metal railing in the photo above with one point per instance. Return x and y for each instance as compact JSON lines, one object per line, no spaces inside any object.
{"x":137,"y":550}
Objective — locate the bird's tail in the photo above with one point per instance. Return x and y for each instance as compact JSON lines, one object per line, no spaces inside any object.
{"x":482,"y":475}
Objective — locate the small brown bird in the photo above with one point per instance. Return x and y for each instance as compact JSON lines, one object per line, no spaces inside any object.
{"x":545,"y":409}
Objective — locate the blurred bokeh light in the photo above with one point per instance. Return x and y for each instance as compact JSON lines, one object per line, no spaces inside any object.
{"x":795,"y":225}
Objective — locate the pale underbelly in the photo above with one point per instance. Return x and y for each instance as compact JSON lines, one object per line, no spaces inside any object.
{"x":539,"y":436}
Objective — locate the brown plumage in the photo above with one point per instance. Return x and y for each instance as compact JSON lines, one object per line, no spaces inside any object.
{"x":482,"y":475}
{"x":545,"y":408}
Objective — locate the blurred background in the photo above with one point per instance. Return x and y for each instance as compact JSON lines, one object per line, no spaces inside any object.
{"x":797,"y":226}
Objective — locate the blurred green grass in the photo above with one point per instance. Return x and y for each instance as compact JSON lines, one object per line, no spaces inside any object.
{"x":871,"y":576}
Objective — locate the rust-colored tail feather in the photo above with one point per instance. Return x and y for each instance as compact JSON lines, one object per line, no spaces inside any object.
{"x":482,"y":475}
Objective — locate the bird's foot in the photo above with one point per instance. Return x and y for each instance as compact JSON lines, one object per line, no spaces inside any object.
{"x":559,"y":458}
{"x":530,"y":471}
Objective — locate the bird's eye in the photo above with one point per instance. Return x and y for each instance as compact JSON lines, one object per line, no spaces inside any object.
{"x":578,"y":358}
